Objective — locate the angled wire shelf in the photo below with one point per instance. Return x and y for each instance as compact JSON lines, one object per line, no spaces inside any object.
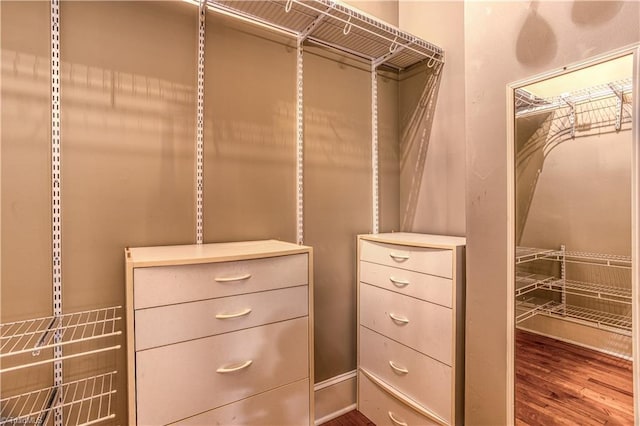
{"x":84,"y":402}
{"x":336,"y":26}
{"x":528,"y":254}
{"x":37,"y":334}
{"x":529,"y":309}
{"x":527,"y":282}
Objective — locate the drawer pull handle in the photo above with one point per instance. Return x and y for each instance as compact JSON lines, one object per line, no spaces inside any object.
{"x":236,"y":368}
{"x":399,"y":319}
{"x":396,"y":421}
{"x":398,"y":369}
{"x":399,"y":257}
{"x":399,"y":283}
{"x":236,"y":315}
{"x":238,"y":278}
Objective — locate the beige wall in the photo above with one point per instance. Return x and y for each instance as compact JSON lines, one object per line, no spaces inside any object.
{"x":128,"y":101}
{"x":432,"y":185}
{"x":582,"y":197}
{"x":505,"y":42}
{"x":386,"y":10}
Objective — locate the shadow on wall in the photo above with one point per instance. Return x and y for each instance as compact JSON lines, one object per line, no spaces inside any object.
{"x":536,"y":44}
{"x":587,"y":13}
{"x":414,"y":141}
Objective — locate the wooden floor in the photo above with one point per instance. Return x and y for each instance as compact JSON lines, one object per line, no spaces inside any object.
{"x":558,"y":384}
{"x":352,"y":418}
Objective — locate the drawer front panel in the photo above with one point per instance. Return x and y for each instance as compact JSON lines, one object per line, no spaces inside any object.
{"x":384,"y":409}
{"x":165,"y":285}
{"x":423,"y":286}
{"x":421,"y":378}
{"x":187,"y":321}
{"x":429,"y":261}
{"x":284,"y":406}
{"x":421,"y":325}
{"x":176,"y":381}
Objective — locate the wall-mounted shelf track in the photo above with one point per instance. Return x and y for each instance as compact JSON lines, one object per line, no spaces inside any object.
{"x":84,"y":402}
{"x":336,"y":26}
{"x":615,"y":295}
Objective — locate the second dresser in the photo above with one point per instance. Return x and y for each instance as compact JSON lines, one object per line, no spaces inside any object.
{"x":220,"y":334}
{"x":411,"y":329}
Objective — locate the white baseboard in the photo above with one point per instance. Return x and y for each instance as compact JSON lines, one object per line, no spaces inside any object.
{"x":335,"y":397}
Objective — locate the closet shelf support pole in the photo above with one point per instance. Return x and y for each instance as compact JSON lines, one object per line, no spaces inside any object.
{"x":202,"y":18}
{"x":299,"y":143}
{"x":56,"y":203}
{"x":374,"y":151}
{"x":619,"y":105}
{"x":572,"y":115}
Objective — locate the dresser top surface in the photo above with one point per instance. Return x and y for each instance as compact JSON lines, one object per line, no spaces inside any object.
{"x":213,"y":252}
{"x":418,"y":240}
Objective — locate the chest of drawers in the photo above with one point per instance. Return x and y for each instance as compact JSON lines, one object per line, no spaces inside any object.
{"x":220,"y":334}
{"x":411,"y":329}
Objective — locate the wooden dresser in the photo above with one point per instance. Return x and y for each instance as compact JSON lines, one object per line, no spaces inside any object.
{"x":220,"y":334}
{"x":411,"y":329}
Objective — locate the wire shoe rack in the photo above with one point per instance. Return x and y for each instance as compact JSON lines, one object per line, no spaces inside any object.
{"x":616,"y":320}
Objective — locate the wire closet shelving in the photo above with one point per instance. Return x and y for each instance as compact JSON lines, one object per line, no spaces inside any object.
{"x":85,"y":402}
{"x":527,"y":283}
{"x":336,"y":26}
{"x":41,"y":341}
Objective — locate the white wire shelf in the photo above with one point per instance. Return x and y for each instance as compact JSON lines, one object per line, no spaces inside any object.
{"x":598,"y":259}
{"x":528,"y":254}
{"x":529,"y":309}
{"x":84,"y":402}
{"x":616,"y":323}
{"x":37,"y":334}
{"x":527,"y":103}
{"x":336,"y":26}
{"x":591,"y":290}
{"x":527,"y":282}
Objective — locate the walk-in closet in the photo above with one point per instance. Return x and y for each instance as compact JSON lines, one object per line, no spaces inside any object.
{"x":573,"y":260}
{"x":310,"y":212}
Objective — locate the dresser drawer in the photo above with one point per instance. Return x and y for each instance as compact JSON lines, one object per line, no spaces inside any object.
{"x":421,"y":325}
{"x":187,"y":321}
{"x":384,"y":409}
{"x":164,"y":285}
{"x":415,"y":284}
{"x":421,"y":378}
{"x":176,"y":381}
{"x":285,"y":406}
{"x":429,"y":261}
